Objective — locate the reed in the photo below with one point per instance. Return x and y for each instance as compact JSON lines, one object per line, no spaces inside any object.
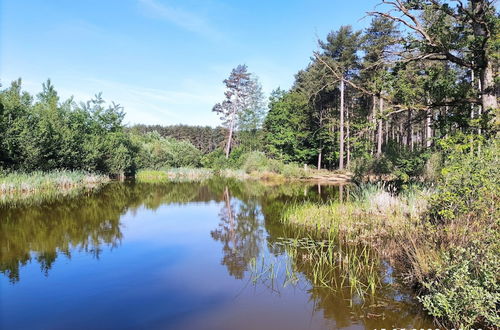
{"x":17,"y":187}
{"x":183,"y":174}
{"x":325,"y":264}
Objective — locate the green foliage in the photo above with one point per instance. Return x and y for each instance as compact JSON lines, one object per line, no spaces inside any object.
{"x":49,"y":134}
{"x":470,"y":185}
{"x":204,"y":138}
{"x":287,"y":134}
{"x":398,"y":161}
{"x":255,"y":161}
{"x":465,"y":290}
{"x":215,"y":160}
{"x":157,"y":152}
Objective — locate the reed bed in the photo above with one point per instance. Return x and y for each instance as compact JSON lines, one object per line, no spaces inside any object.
{"x":18,"y":188}
{"x":182,"y":174}
{"x":17,"y":182}
{"x":371,"y":215}
{"x":352,"y":269}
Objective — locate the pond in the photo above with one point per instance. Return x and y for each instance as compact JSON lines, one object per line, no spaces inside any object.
{"x":209,"y":255}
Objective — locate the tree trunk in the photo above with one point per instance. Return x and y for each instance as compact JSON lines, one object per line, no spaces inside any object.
{"x":488,"y":95}
{"x":319,"y":158}
{"x":479,"y":130}
{"x":428,"y":129}
{"x":348,"y":134}
{"x":379,"y":133}
{"x":341,"y":151}
{"x":230,"y":137}
{"x":386,"y":132}
{"x":373,"y":123}
{"x":410,"y":131}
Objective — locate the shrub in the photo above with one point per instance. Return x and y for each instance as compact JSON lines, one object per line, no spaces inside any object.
{"x":465,"y":291}
{"x":256,"y":161}
{"x":470,"y":186}
{"x":158,"y":152}
{"x":215,"y":160}
{"x":292,"y":170}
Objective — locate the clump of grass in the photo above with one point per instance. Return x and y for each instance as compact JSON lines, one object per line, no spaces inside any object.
{"x":233,"y":174}
{"x":371,"y":215}
{"x":326,"y":264}
{"x":17,"y":182}
{"x":17,"y":187}
{"x":174,"y":175}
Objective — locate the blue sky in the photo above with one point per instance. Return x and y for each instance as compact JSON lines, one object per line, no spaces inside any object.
{"x":163,"y":60}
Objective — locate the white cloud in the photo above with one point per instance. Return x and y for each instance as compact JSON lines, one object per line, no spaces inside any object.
{"x":191,"y":105}
{"x":181,"y":18}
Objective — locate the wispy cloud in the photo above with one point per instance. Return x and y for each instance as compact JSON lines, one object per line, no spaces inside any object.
{"x":187,"y":20}
{"x":157,"y":106}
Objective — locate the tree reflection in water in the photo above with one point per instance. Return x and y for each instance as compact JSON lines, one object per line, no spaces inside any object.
{"x":241,"y":233}
{"x":248,"y":229}
{"x":41,"y":231}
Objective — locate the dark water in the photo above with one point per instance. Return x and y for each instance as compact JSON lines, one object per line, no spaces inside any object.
{"x":177,"y":256}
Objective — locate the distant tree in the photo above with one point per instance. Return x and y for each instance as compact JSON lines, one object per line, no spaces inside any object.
{"x":236,"y":100}
{"x":204,"y":138}
{"x":340,"y":54}
{"x":251,"y":118}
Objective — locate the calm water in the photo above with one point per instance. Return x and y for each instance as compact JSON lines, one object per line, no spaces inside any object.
{"x":177,"y":256}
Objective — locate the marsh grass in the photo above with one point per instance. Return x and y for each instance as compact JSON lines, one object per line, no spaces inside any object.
{"x":17,"y":187}
{"x":325,"y":264}
{"x":183,"y":174}
{"x":371,"y":216}
{"x":452,"y":263}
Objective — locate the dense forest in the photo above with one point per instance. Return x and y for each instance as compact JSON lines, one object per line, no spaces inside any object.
{"x":422,"y":77}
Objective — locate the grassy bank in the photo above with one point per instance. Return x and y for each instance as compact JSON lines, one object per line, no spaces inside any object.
{"x":445,"y":243}
{"x":16,"y":187}
{"x":201,"y":174}
{"x":366,"y":214}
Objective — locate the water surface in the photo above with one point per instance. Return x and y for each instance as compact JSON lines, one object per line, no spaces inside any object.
{"x":207,"y":255}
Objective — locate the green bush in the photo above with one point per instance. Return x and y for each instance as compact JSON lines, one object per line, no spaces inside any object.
{"x":465,"y":291}
{"x":157,"y":152}
{"x":469,"y":187}
{"x":398,"y":160}
{"x":462,"y":287}
{"x":292,"y":170}
{"x":215,"y":160}
{"x":256,"y":161}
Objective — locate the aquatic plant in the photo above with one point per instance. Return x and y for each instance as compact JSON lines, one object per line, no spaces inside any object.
{"x":16,"y":187}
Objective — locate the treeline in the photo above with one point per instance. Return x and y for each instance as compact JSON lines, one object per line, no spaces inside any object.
{"x":423,"y":76}
{"x":45,"y":133}
{"x":205,"y":138}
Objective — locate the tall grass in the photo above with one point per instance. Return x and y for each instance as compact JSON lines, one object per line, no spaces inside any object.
{"x":341,"y":268}
{"x":371,"y":214}
{"x":183,"y":174}
{"x":17,"y":187}
{"x":452,"y":263}
{"x":37,"y":181}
